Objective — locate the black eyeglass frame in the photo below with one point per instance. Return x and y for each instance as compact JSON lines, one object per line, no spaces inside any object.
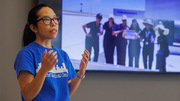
{"x":58,"y":20}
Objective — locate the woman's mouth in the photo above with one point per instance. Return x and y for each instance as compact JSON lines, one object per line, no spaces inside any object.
{"x":53,"y":31}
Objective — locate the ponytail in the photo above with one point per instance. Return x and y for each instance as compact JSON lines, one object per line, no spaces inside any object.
{"x":29,"y":36}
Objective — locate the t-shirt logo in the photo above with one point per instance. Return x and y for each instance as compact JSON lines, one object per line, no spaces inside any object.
{"x":56,"y":72}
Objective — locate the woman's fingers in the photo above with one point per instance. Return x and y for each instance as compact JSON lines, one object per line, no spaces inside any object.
{"x":85,"y":58}
{"x":54,"y":58}
{"x":84,"y":62}
{"x":86,"y":53}
{"x":82,"y":66}
{"x":48,"y":54}
{"x":49,"y":60}
{"x":44,"y":54}
{"x":55,"y":62}
{"x":52,"y":55}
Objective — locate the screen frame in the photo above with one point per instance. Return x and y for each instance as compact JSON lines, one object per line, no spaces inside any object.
{"x":52,"y":4}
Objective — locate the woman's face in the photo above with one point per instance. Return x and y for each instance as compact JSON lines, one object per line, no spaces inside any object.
{"x":134,"y":26}
{"x":46,"y":31}
{"x":147,"y":26}
{"x":98,"y":20}
{"x":123,"y":22}
{"x":111,"y":20}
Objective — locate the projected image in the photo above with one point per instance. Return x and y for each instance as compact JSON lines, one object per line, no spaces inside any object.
{"x":122,"y":35}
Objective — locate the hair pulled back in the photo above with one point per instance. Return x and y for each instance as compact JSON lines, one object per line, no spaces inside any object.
{"x":28,"y":35}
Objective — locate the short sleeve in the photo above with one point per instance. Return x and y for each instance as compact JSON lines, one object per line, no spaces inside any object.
{"x":24,"y":61}
{"x":89,"y":25}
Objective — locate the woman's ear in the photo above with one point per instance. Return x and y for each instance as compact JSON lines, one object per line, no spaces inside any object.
{"x":33,"y":28}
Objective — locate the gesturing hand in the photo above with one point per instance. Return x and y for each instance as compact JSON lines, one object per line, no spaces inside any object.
{"x":48,"y":60}
{"x":84,"y":62}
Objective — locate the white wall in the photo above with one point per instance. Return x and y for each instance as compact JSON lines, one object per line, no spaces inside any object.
{"x":96,"y":87}
{"x":128,"y":87}
{"x":13,"y":18}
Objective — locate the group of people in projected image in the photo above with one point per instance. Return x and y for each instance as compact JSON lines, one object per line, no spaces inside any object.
{"x":114,"y":37}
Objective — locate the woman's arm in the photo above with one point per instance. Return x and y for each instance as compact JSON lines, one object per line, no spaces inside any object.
{"x":30,"y":86}
{"x":116,"y":32}
{"x":84,"y":29}
{"x":74,"y":84}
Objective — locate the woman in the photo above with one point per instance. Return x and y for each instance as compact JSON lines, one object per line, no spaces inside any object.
{"x":109,"y":40}
{"x":92,"y":38}
{"x":121,"y":42}
{"x":44,"y":72}
{"x":134,"y":45}
{"x":148,"y":35}
{"x":163,"y":52}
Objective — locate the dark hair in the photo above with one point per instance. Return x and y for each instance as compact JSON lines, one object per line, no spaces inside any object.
{"x":137,"y":28}
{"x":99,"y":16}
{"x":112,"y":22}
{"x":29,"y":36}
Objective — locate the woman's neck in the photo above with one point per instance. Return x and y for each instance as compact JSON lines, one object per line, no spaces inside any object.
{"x":147,"y":29}
{"x":44,"y":43}
{"x":110,"y":24}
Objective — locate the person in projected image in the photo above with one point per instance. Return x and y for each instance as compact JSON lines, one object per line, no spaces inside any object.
{"x":148,"y":35}
{"x":134,"y":45}
{"x":163,"y":52}
{"x":121,"y":42}
{"x":109,"y":39}
{"x":92,"y":38}
{"x":44,"y":72}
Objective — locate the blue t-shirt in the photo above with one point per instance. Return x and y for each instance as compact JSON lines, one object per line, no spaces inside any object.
{"x":55,"y":87}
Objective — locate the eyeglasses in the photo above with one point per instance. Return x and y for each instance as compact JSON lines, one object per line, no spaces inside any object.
{"x":48,"y":20}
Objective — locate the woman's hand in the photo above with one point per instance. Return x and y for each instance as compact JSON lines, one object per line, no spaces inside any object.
{"x":138,"y":37}
{"x":83,"y":64}
{"x":88,"y":35}
{"x":117,"y":32}
{"x":74,"y":84}
{"x":30,"y":85}
{"x":48,"y":60}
